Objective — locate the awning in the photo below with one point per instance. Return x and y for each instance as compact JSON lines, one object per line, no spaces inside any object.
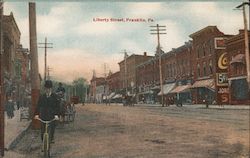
{"x":209,"y":83}
{"x":239,"y":58}
{"x":155,"y":88}
{"x":180,"y":89}
{"x":111,"y":95}
{"x":167,"y":88}
{"x":117,"y":96}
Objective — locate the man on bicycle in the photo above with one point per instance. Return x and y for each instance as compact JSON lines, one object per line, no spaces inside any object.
{"x":48,"y":109}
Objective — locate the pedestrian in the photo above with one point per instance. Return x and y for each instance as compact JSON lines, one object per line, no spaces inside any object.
{"x":48,"y":108}
{"x":205,"y":101}
{"x":9,"y":107}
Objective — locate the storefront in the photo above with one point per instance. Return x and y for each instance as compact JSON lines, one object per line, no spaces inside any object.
{"x":183,"y":93}
{"x":239,"y":90}
{"x":203,"y":90}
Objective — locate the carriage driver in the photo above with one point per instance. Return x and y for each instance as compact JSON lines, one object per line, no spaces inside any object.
{"x":60,"y":90}
{"x":48,"y":109}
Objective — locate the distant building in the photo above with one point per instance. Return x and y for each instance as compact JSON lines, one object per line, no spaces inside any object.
{"x":97,"y":89}
{"x":128,"y":70}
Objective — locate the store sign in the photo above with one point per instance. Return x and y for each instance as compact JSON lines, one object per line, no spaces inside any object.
{"x":219,"y":43}
{"x":222,"y":61}
{"x":223,"y":90}
{"x":223,"y":95}
{"x":224,"y":98}
{"x":222,"y":79}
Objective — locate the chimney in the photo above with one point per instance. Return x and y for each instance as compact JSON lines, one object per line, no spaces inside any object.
{"x":145,"y":54}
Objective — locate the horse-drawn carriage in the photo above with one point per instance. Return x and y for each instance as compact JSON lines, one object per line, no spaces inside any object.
{"x":67,"y":109}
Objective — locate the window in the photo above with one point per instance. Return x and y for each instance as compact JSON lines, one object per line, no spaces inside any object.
{"x":204,"y":69}
{"x":210,"y":66}
{"x":171,"y":70}
{"x":198,"y":70}
{"x":211,"y":45}
{"x":198,"y":52}
{"x":204,"y":49}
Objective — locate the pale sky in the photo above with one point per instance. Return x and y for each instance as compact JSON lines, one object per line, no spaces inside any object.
{"x":81,"y":45}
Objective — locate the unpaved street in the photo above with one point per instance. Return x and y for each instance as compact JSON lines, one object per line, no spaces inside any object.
{"x":115,"y":131}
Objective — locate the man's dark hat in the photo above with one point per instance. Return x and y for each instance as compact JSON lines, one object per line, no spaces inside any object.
{"x":48,"y":84}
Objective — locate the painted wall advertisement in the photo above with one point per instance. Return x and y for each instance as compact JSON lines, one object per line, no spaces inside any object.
{"x":221,"y":72}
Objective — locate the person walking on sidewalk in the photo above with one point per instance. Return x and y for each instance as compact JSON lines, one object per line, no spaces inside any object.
{"x":9,"y":107}
{"x":48,"y":109}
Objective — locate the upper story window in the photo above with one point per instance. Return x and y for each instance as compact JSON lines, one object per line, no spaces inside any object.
{"x":204,"y":69}
{"x":198,"y":52}
{"x":210,"y":66}
{"x":198,"y":70}
{"x":204,"y":49}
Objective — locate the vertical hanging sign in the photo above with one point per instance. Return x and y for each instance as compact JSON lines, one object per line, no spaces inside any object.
{"x":221,"y":71}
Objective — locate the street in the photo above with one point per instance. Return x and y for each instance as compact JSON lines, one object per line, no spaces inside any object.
{"x":101,"y":131}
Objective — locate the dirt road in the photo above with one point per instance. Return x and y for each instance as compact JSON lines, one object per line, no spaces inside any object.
{"x":114,"y":131}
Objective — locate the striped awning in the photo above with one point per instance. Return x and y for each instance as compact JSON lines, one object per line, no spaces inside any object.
{"x":180,"y":89}
{"x":209,"y":83}
{"x":167,"y":88}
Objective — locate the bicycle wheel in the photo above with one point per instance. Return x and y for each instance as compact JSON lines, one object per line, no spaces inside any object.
{"x":46,"y":146}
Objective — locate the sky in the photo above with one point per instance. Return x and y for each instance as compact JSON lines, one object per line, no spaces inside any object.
{"x":82,"y":44}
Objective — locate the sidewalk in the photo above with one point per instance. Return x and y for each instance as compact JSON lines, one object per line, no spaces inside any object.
{"x":229,"y":107}
{"x":14,"y":129}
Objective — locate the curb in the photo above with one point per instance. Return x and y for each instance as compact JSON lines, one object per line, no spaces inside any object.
{"x":15,"y":141}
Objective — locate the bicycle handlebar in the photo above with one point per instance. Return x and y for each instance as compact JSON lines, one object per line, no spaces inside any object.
{"x":43,"y":121}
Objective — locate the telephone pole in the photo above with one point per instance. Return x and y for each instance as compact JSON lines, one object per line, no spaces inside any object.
{"x":246,"y":40}
{"x":1,"y":83}
{"x":106,"y":85}
{"x":35,"y":81}
{"x":159,"y":31}
{"x":46,"y":45}
{"x":125,"y":73}
{"x":49,"y":69}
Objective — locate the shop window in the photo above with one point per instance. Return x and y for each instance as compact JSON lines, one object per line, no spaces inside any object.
{"x":239,"y":89}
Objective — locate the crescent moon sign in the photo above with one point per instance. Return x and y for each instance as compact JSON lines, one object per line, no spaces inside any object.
{"x":222,"y":62}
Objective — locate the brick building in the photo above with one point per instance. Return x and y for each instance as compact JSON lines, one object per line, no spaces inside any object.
{"x":11,"y":42}
{"x":182,"y":72}
{"x":147,"y":80}
{"x":97,"y":89}
{"x":22,"y":74}
{"x":176,"y":73}
{"x":238,"y":87}
{"x":114,"y":85}
{"x":129,"y":78}
{"x":207,"y":66}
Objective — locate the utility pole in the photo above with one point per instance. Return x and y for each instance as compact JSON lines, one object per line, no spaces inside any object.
{"x":105,"y":87}
{"x":49,"y":69}
{"x":125,"y":73}
{"x":246,"y":41}
{"x":158,"y":32}
{"x":45,"y":46}
{"x":1,"y":83}
{"x":35,"y":81}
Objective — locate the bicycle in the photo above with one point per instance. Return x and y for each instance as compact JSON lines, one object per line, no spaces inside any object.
{"x":46,"y":139}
